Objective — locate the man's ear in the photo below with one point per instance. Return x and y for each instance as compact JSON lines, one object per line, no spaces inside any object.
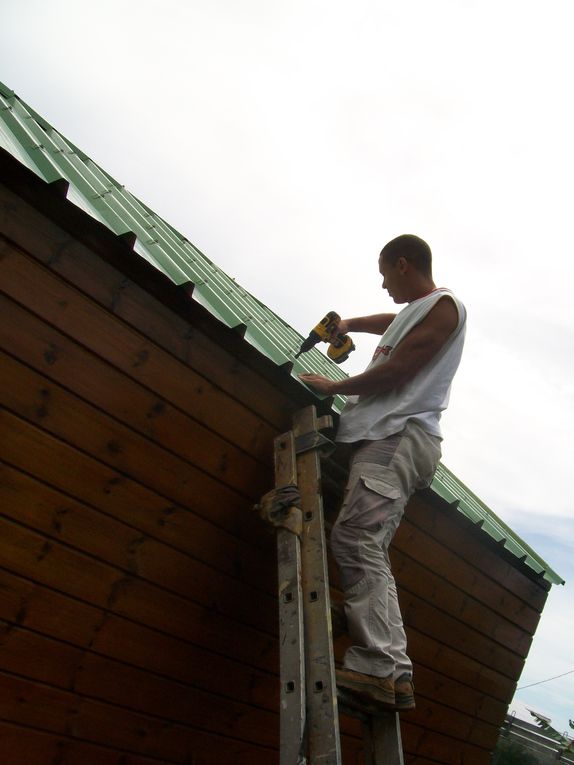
{"x":403,"y":265}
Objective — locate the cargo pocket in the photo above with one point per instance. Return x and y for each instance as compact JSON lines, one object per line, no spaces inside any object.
{"x":384,"y":488}
{"x":373,"y":502}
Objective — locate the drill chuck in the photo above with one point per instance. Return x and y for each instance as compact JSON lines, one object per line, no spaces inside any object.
{"x":309,"y":343}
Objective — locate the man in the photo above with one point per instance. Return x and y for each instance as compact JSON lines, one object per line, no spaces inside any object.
{"x":391,"y":422}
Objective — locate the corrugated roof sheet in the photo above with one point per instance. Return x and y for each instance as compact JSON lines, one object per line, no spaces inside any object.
{"x":35,"y":143}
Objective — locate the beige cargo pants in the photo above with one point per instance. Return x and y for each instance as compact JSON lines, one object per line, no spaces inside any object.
{"x":383,"y":475}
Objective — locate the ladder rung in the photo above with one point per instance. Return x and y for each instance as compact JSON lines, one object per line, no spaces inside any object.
{"x":351,"y":706}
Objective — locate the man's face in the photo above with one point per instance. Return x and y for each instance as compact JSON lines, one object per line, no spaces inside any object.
{"x":393,"y":281}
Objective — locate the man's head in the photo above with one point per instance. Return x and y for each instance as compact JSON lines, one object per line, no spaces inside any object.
{"x":413,"y":249}
{"x":406,"y":266}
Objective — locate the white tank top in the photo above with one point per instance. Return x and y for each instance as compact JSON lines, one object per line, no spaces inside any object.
{"x":423,"y":398}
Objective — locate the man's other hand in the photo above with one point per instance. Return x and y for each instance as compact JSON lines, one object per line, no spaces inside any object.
{"x":322,"y":384}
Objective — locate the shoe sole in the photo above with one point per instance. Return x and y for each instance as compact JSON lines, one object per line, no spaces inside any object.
{"x":368,"y":693}
{"x":404,"y":696}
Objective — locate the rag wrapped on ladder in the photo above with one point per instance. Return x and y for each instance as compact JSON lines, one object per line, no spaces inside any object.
{"x":282,"y":508}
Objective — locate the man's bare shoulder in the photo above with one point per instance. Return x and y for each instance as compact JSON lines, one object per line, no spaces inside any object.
{"x":443,"y":316}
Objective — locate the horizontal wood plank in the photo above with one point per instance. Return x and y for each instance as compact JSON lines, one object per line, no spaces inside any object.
{"x":453,"y":696}
{"x":63,"y":361}
{"x":448,"y":662}
{"x":28,"y":447}
{"x":467,"y":573}
{"x":44,"y":559}
{"x":417,"y":575}
{"x":79,"y":265}
{"x":180,"y":530}
{"x":435,"y":688}
{"x":49,"y":563}
{"x":58,"y":692}
{"x":426,"y":619}
{"x":420,"y":742}
{"x":69,"y":311}
{"x":57,"y":616}
{"x":60,"y":518}
{"x":127,"y":642}
{"x":140,"y":702}
{"x":451,"y":663}
{"x":32,"y":397}
{"x":26,"y":603}
{"x":455,"y":536}
{"x":25,"y":745}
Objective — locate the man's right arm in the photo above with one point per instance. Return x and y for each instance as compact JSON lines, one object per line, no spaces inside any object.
{"x":375,"y":324}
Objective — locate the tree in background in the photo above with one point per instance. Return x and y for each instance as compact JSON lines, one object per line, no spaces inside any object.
{"x":565,"y":743}
{"x":511,"y":753}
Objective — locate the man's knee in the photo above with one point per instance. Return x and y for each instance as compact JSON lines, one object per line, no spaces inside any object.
{"x":345,"y":548}
{"x":341,"y":542}
{"x":346,"y":545}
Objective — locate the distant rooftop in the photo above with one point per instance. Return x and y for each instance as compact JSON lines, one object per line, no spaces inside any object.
{"x":45,"y":151}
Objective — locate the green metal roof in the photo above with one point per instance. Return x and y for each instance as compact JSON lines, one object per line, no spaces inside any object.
{"x":35,"y":143}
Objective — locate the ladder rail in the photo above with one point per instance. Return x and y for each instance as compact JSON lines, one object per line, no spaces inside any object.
{"x":309,"y":712}
{"x":323,"y":718}
{"x":291,"y":626}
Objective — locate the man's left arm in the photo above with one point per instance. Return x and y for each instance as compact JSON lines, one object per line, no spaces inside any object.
{"x":413,"y":353}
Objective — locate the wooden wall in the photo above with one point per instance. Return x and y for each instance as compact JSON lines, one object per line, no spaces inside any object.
{"x":138,"y":617}
{"x":137,"y":588}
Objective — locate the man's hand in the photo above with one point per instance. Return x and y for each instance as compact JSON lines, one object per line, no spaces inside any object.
{"x":421,"y":344}
{"x":322,"y":384}
{"x":341,"y":329}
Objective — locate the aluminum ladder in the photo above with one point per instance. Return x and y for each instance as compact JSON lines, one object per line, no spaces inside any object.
{"x":309,"y":701}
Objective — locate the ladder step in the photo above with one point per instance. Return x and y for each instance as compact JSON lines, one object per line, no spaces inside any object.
{"x":352,"y":706}
{"x":381,"y":729}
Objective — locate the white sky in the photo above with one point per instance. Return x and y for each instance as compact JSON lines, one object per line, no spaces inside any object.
{"x":290,"y":141}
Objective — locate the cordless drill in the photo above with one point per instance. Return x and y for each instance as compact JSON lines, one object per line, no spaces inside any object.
{"x":340,"y":345}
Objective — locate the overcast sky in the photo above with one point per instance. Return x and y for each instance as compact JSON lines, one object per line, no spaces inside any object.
{"x":290,"y":140}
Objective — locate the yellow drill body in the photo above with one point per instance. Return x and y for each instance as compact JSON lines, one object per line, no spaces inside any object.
{"x":340,"y":345}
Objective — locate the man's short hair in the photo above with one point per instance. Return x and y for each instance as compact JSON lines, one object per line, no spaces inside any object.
{"x":414,"y":249}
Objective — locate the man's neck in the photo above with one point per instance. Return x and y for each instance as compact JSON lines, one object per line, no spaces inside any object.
{"x":420,"y":289}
